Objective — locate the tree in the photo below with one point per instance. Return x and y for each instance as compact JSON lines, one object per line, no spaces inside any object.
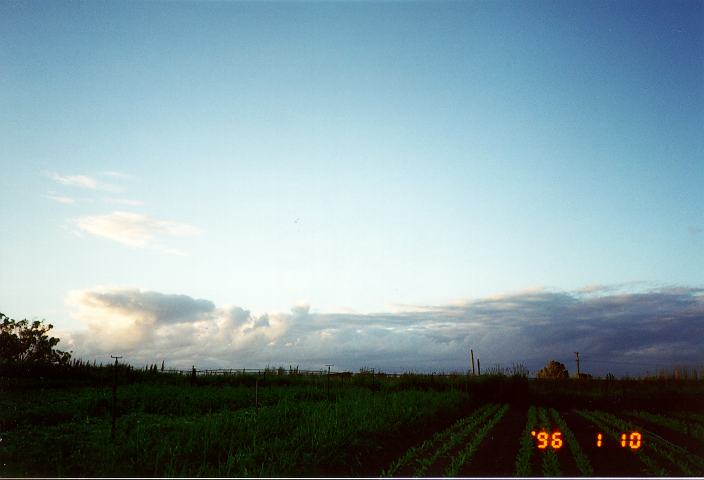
{"x":22,"y":343}
{"x":553,"y":369}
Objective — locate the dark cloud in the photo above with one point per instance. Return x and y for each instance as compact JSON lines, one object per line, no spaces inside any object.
{"x":614,"y":330}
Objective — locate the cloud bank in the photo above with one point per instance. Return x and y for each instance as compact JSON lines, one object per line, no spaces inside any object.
{"x":614,"y":332}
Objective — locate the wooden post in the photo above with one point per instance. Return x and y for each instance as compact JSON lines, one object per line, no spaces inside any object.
{"x":114,"y":398}
{"x":577,"y":354}
{"x":479,"y":368}
{"x":471,"y":352}
{"x":328,"y":382}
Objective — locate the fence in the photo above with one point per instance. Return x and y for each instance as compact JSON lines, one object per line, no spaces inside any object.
{"x":250,"y":371}
{"x":295,"y":371}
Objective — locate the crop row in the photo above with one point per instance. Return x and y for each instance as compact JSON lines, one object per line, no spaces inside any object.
{"x":525,"y":451}
{"x":676,"y":456}
{"x":688,"y":463}
{"x":651,"y":466}
{"x":551,"y":465}
{"x":427,"y":452}
{"x":537,"y":419}
{"x":466,"y":454}
{"x":419,"y":451}
{"x":682,"y":425}
{"x":583,"y":464}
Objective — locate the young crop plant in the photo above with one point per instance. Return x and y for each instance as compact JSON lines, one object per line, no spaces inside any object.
{"x":420,"y":450}
{"x":651,"y":466}
{"x":470,"y":449}
{"x":688,"y":463}
{"x":583,"y":464}
{"x":526,"y":449}
{"x":551,"y":464}
{"x":691,"y":417}
{"x":692,"y":430}
{"x":454,"y":439}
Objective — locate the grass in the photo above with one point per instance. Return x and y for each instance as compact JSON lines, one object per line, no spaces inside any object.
{"x":583,"y":464}
{"x":525,"y":452}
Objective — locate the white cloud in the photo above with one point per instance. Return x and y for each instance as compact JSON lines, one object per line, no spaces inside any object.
{"x":61,"y":199}
{"x":133,"y":229}
{"x":82,"y":181}
{"x":662,"y":327}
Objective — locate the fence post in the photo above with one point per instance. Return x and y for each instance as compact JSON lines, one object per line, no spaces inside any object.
{"x":114,"y":399}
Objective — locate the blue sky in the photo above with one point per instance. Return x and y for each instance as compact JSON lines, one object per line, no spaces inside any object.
{"x":350,"y":157}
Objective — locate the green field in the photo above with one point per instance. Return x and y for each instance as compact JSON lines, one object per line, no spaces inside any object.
{"x":282,"y":425}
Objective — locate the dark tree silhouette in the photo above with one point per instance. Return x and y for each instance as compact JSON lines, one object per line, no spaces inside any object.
{"x":553,"y":369}
{"x":23,"y":343}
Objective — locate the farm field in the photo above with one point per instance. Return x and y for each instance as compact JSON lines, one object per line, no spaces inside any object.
{"x":495,"y":441}
{"x":358,"y":425}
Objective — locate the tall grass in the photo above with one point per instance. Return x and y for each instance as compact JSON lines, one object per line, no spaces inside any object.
{"x":288,"y":438}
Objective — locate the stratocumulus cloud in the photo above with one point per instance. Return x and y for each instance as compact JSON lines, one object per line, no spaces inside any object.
{"x":617,"y":332}
{"x":133,"y":229}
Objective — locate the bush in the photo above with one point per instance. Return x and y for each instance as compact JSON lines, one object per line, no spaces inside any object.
{"x":553,"y":370}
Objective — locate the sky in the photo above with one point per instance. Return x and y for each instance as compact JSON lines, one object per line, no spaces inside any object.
{"x":369,"y":184}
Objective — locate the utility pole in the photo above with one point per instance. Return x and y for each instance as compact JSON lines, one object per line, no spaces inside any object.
{"x":577,"y":355}
{"x":471,"y":352}
{"x":114,"y":397}
{"x":329,"y":365}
